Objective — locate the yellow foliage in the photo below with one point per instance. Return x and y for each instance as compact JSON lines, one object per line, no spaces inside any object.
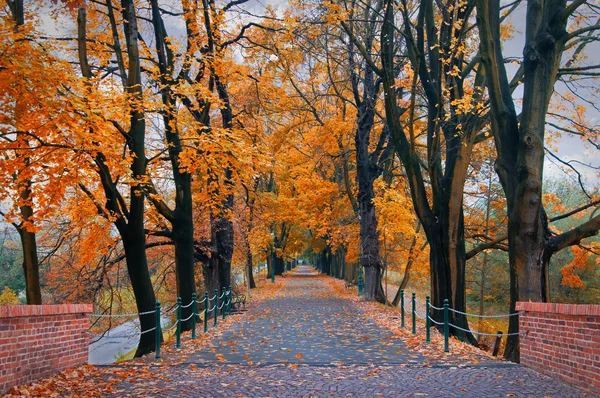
{"x":8,"y":297}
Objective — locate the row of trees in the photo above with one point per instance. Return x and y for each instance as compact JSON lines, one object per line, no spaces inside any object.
{"x":215,"y":133}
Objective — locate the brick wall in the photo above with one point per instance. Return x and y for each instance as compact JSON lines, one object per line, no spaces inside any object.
{"x":37,"y":341}
{"x":563,"y":341}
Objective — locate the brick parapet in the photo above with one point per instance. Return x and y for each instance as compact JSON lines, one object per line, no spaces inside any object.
{"x":37,"y":341}
{"x":562,"y":341}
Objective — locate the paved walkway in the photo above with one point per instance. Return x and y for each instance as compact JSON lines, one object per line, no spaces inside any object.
{"x":304,"y":342}
{"x":306,"y":325}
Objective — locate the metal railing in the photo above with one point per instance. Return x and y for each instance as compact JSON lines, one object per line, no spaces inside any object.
{"x":225,"y":306}
{"x":446,"y":324}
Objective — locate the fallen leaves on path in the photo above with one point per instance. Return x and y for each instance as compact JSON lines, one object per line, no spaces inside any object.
{"x":389,"y":317}
{"x":97,"y":381}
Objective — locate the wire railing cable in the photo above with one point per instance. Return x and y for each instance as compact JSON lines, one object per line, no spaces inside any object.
{"x":148,"y":330}
{"x":485,"y":334}
{"x":486,"y":316}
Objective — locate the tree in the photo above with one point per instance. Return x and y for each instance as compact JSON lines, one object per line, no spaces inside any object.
{"x":429,"y":71}
{"x":128,"y":218}
{"x":549,"y":40}
{"x":23,"y":181}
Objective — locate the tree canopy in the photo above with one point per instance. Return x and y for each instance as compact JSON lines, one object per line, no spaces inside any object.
{"x":156,"y":149}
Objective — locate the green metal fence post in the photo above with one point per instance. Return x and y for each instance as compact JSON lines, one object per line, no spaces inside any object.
{"x":229,"y":305}
{"x":223,"y":308}
{"x":178,"y":329}
{"x":427,"y":321}
{"x":402,"y":306}
{"x":194,"y":308}
{"x":446,"y":326}
{"x":361,"y":285}
{"x":157,"y":329}
{"x":414,"y":312}
{"x":216,"y":308}
{"x":206,"y":305}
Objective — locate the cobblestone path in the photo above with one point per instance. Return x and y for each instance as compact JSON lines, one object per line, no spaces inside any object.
{"x":304,"y":324}
{"x":306,"y":343}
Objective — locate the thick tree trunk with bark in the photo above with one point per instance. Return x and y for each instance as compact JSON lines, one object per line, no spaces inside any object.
{"x":366,"y":88}
{"x":217,"y":271}
{"x":184,"y":262}
{"x":520,"y":144}
{"x":224,"y":246}
{"x":367,"y":172}
{"x":369,"y":259}
{"x":210,"y":274}
{"x":352,"y":272}
{"x":279,"y":265}
{"x":139,"y":277}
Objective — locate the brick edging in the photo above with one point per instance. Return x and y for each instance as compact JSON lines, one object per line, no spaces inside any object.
{"x":18,"y":311}
{"x":555,"y":308}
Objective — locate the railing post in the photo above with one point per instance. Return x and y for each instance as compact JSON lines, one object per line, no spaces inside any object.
{"x":206,"y":305}
{"x":427,"y":321}
{"x":223,"y":308}
{"x":497,"y":343}
{"x":178,"y":329}
{"x":230,"y":300}
{"x":446,"y":326}
{"x":194,"y":308}
{"x":361,"y":285}
{"x":216,"y":308}
{"x":402,"y":306}
{"x":414,"y":312}
{"x":157,"y":329}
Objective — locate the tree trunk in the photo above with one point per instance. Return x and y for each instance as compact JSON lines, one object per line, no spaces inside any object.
{"x":29,"y":247}
{"x":28,"y":238}
{"x":135,"y":237}
{"x":184,"y":262}
{"x":279,"y":265}
{"x":352,"y":272}
{"x":222,"y":239}
{"x":326,"y":261}
{"x":130,"y":227}
{"x":269,"y":265}
{"x":137,"y":269}
{"x":249,"y":270}
{"x":181,"y":218}
{"x":210,"y":274}
{"x":520,"y":142}
{"x":369,"y":258}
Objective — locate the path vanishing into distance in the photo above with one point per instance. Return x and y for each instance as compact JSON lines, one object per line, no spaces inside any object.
{"x":306,"y":342}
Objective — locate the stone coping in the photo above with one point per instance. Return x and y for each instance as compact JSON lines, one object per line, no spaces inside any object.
{"x":556,"y":308}
{"x":18,"y":311}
